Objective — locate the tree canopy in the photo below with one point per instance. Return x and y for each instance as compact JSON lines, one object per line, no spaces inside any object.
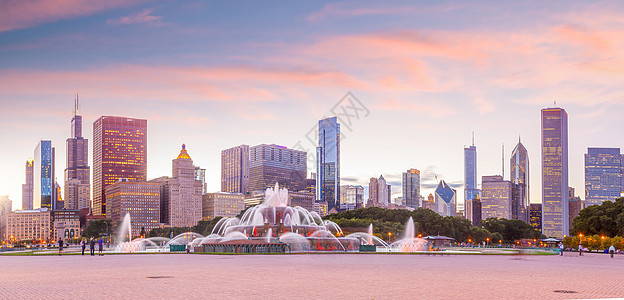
{"x":606,"y":219}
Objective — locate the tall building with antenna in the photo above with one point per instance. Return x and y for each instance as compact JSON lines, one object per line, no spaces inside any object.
{"x":519,"y":177}
{"x":555,"y":172}
{"x":77,"y":171}
{"x":471,"y":192}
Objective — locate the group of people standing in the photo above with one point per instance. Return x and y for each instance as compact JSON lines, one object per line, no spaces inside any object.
{"x":83,"y":245}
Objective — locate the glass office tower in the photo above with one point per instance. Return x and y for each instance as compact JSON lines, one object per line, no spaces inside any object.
{"x":603,"y":175}
{"x":328,"y":163}
{"x":44,"y":188}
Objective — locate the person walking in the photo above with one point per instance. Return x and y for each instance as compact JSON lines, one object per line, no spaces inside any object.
{"x":611,"y":251}
{"x":101,"y":246}
{"x":60,"y":243}
{"x":561,"y":248}
{"x":83,"y":244}
{"x":580,"y":250}
{"x":92,"y":246}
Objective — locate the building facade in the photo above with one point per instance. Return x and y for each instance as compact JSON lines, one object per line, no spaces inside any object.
{"x":235,"y":170}
{"x":328,"y":163}
{"x":139,"y":199}
{"x":555,"y":209}
{"x":30,"y":225}
{"x":44,"y":188}
{"x":411,"y":188}
{"x":222,"y":204}
{"x":603,"y":175}
{"x":28,"y":186}
{"x":575,"y":205}
{"x":519,"y":177}
{"x":119,"y":151}
{"x":470,"y":176}
{"x":269,"y":164}
{"x":495,"y":197}
{"x":77,"y":171}
{"x":535,"y":213}
{"x":351,"y":197}
{"x":379,"y":192}
{"x":445,"y":200}
{"x":473,"y":210}
{"x":200,"y":174}
{"x":65,"y":225}
{"x":304,"y":199}
{"x":6,"y":207}
{"x":429,"y":203}
{"x":181,"y":203}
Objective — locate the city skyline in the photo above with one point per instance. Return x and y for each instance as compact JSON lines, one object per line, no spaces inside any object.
{"x":276,"y":92}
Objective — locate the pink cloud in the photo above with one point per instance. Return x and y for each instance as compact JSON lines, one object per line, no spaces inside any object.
{"x":343,"y":9}
{"x":141,"y":17}
{"x":24,"y":14}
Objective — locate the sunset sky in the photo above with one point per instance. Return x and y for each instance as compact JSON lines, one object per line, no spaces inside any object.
{"x":218,"y":74}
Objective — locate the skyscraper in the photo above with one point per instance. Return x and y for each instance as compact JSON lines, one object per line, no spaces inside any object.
{"x":555,"y":172}
{"x":495,"y":197}
{"x":77,"y":172}
{"x":269,"y":164}
{"x":603,"y":175}
{"x":378,"y":192}
{"x":411,"y":188}
{"x":473,"y":210}
{"x":182,"y":201}
{"x":445,"y":200}
{"x":44,"y":188}
{"x":5,"y":209}
{"x":140,"y":199}
{"x":119,"y":151}
{"x":535,"y":213}
{"x":328,"y":163}
{"x":519,"y":177}
{"x":235,"y":170}
{"x":351,"y":197}
{"x":470,"y":175}
{"x":27,"y":187}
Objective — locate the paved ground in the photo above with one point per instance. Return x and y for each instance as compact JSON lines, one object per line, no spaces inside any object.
{"x":355,"y":276}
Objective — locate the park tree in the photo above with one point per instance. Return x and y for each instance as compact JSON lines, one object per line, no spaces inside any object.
{"x":606,"y":219}
{"x":97,"y":228}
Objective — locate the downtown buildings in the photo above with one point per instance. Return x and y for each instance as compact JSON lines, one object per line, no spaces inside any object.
{"x":472,"y":204}
{"x":235,"y":170}
{"x":44,"y":184}
{"x":555,"y":172}
{"x":119,"y":151}
{"x":28,"y":186}
{"x":269,"y":164}
{"x":379,"y":192}
{"x":139,"y":199}
{"x":496,"y":197}
{"x":351,"y":197}
{"x":519,"y":177}
{"x":445,"y":200}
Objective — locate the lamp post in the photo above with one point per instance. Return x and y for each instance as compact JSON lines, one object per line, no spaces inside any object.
{"x":390,"y":237}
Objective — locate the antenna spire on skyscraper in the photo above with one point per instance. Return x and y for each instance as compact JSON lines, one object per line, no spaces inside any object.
{"x":473,"y":138}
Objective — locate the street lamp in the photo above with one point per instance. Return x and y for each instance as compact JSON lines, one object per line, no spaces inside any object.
{"x":487,"y":241}
{"x":390,"y":236}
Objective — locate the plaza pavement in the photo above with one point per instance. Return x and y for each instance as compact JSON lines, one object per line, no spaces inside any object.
{"x":314,"y":276}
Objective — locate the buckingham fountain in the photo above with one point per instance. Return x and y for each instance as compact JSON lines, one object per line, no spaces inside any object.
{"x":273,"y":227}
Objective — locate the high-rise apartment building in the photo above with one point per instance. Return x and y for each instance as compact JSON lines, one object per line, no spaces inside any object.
{"x":603,"y":175}
{"x":139,"y":199}
{"x":119,"y":151}
{"x":182,"y":200}
{"x":379,"y":192}
{"x":555,"y":172}
{"x":328,"y":163}
{"x":44,"y":185}
{"x":269,"y":164}
{"x":519,"y":177}
{"x":471,"y":191}
{"x":495,"y":197}
{"x":77,"y":172}
{"x":445,"y":200}
{"x":28,"y":186}
{"x":411,"y":188}
{"x":535,"y":216}
{"x":235,"y":170}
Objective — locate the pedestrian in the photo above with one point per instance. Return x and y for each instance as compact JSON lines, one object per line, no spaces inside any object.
{"x":611,"y":250}
{"x":101,"y":246}
{"x":561,"y":248}
{"x":60,"y":243}
{"x":92,"y":246}
{"x":580,"y":250}
{"x":83,"y":244}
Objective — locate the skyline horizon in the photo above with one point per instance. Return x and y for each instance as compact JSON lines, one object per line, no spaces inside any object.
{"x":215,"y":75}
{"x":396,"y":184}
